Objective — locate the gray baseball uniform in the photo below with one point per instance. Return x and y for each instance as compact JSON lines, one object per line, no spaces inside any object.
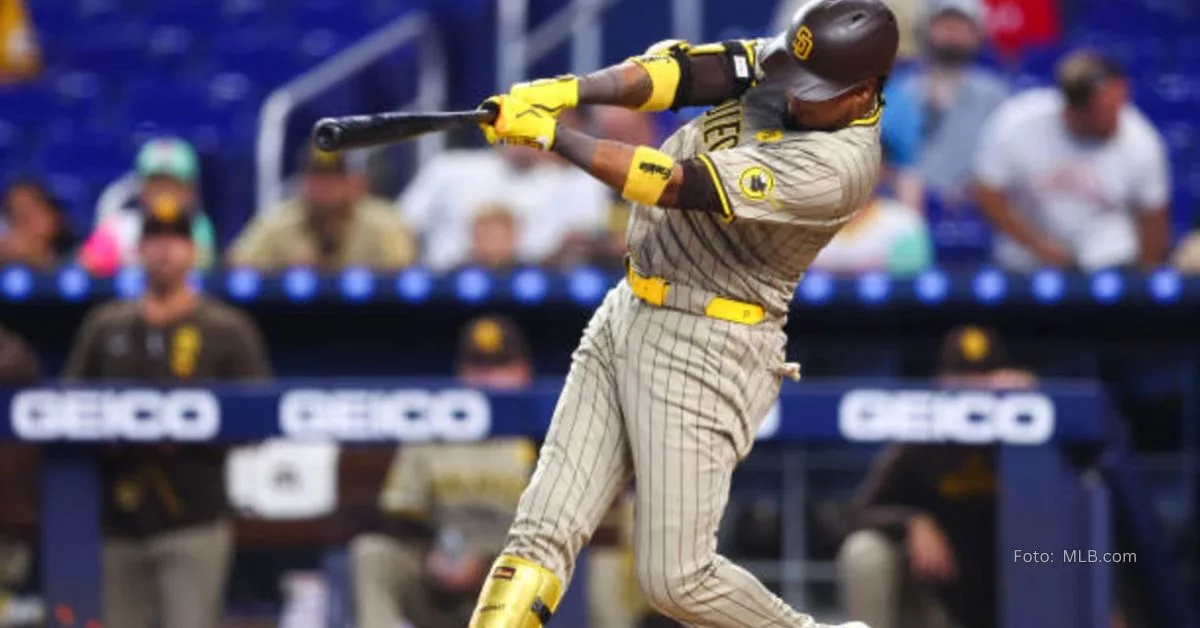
{"x":673,"y":393}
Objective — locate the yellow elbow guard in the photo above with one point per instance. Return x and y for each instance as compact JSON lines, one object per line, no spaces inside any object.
{"x":665,"y":75}
{"x":648,"y":176}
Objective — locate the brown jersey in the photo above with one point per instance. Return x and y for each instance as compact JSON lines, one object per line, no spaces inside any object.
{"x":154,"y":489}
{"x":785,"y":193}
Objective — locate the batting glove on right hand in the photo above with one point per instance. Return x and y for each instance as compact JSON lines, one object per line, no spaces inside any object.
{"x":518,"y":123}
{"x":551,"y":96}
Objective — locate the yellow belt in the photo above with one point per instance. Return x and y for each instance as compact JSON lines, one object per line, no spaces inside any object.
{"x":653,"y":290}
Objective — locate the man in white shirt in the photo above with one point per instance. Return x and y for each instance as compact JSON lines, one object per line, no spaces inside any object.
{"x":548,"y":199}
{"x":1075,"y":176}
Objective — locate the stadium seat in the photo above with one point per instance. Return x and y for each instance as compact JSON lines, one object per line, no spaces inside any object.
{"x":28,"y":104}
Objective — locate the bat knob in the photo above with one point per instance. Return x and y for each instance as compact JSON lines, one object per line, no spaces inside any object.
{"x":327,"y":134}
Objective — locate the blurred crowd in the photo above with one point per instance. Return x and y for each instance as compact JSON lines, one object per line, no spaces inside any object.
{"x":963,"y":184}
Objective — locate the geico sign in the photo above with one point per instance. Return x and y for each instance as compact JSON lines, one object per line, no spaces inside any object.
{"x":138,"y":415}
{"x":945,"y":416}
{"x":411,"y":415}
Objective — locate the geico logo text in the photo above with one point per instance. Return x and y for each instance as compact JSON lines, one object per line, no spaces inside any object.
{"x":1018,"y":418}
{"x":137,"y":415}
{"x":412,"y":415}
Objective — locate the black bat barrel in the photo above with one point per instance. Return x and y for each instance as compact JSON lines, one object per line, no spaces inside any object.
{"x":332,"y":134}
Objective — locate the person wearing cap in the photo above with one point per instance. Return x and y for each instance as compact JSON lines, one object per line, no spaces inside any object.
{"x":167,"y":539}
{"x":167,"y":167}
{"x":331,"y":225}
{"x":952,"y":96}
{"x":446,"y":507}
{"x":921,"y":551}
{"x":1075,"y":176}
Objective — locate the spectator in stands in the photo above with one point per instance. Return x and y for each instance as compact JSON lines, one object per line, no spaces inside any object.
{"x":1075,"y":176}
{"x":333,"y":224}
{"x":19,"y":466}
{"x":549,"y":200}
{"x":447,"y":509}
{"x":167,"y":539}
{"x":38,"y":234}
{"x":494,"y":239}
{"x":942,"y":103}
{"x":922,"y":553}
{"x":167,"y":168}
{"x":885,"y":235}
{"x":20,"y":55}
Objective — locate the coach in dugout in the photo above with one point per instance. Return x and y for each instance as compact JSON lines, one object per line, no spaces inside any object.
{"x":923,"y":548}
{"x":167,"y":541}
{"x":447,"y":506}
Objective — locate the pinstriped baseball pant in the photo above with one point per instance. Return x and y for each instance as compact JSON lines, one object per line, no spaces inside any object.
{"x":673,"y":399}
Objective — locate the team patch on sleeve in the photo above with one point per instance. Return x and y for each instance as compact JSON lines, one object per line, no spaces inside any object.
{"x":756,"y":183}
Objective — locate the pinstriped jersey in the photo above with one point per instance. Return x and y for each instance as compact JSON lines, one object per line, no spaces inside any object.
{"x":785,"y":193}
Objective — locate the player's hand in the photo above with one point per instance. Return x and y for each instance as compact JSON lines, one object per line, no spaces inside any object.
{"x":519,"y":124}
{"x":551,"y":96}
{"x":929,"y":553}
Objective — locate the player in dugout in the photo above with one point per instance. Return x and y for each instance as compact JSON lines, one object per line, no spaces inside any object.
{"x":167,"y":538}
{"x":447,"y":507}
{"x":923,"y":548}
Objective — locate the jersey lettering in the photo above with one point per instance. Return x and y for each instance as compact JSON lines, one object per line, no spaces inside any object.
{"x":722,"y":126}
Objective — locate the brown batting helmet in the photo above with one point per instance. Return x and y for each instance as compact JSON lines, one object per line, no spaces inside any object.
{"x":831,"y":47}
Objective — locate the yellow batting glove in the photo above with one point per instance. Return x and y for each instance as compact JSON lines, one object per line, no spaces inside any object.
{"x":552,"y":96}
{"x":519,"y":124}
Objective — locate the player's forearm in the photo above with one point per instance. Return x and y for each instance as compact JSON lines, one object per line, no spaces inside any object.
{"x":708,"y":81}
{"x":641,"y":174}
{"x":626,"y":85}
{"x":611,"y":162}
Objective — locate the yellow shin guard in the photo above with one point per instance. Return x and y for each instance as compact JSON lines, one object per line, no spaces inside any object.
{"x":518,"y":594}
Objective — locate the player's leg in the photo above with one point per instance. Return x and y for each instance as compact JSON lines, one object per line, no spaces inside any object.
{"x":193,"y":569}
{"x":870,"y":576}
{"x":583,"y":464}
{"x":381,"y":567}
{"x":130,"y":597}
{"x":695,"y":393}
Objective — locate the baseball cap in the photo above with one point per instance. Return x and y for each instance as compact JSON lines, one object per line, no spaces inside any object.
{"x":168,"y":156}
{"x":491,"y":341}
{"x":165,"y":215}
{"x":972,"y":350}
{"x":313,"y":159}
{"x":831,"y":47}
{"x":1081,"y":73}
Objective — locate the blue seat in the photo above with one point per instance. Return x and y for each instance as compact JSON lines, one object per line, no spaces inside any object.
{"x":85,"y":153}
{"x":171,"y":46}
{"x":79,"y":93}
{"x":110,"y":51}
{"x":28,"y":105}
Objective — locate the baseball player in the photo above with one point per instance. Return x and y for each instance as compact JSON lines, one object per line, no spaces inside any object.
{"x":684,"y":357}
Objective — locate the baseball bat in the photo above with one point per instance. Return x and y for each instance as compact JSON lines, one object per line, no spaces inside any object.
{"x":332,"y":134}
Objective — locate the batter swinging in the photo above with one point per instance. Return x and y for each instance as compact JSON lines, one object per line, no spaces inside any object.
{"x":684,"y":358}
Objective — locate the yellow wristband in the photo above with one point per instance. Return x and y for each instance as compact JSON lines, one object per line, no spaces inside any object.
{"x":648,"y":176}
{"x":664,"y":80}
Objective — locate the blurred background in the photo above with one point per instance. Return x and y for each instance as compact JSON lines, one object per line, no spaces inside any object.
{"x":163,"y":145}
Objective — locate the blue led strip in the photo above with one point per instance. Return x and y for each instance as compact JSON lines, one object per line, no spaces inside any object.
{"x":585,"y":287}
